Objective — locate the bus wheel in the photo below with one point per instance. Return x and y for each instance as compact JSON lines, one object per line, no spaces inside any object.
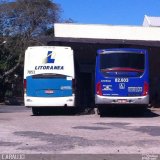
{"x":142,"y":109}
{"x":35,"y":111}
{"x":101,"y":111}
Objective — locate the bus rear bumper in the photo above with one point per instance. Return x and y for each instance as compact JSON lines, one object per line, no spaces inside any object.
{"x":49,"y":101}
{"x":144,"y":100}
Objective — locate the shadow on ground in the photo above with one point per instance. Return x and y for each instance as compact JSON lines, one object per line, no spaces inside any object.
{"x":64,"y":111}
{"x":128,"y":112}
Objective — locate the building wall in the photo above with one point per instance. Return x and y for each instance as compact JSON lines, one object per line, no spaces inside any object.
{"x":154,"y":57}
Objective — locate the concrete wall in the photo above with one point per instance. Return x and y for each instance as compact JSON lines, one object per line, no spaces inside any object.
{"x":107,"y":32}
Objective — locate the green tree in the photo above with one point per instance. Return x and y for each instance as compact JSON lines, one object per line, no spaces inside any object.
{"x":22,"y":23}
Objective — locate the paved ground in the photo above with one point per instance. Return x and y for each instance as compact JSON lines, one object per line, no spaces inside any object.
{"x":64,"y":133}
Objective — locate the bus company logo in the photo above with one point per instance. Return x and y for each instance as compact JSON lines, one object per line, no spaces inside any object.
{"x":121,"y":85}
{"x":51,"y":57}
{"x":107,"y":87}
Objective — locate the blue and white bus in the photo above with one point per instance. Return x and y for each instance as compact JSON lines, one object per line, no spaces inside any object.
{"x":48,"y":77}
{"x":122,"y":77}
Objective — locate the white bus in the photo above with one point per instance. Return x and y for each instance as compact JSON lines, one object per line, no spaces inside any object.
{"x":49,"y":77}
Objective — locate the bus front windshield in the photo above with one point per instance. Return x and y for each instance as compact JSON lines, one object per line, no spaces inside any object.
{"x":122,"y":62}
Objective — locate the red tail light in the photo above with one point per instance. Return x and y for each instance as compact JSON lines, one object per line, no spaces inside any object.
{"x":24,"y":85}
{"x":99,"y":89}
{"x":73,"y":85}
{"x":145,"y":89}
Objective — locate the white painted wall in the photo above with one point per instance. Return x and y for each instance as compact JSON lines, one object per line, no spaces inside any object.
{"x":107,"y":32}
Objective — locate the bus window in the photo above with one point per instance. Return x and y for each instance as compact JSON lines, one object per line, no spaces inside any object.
{"x":125,"y":64}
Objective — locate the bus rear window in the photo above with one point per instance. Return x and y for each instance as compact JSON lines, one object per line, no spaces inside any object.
{"x":48,"y":75}
{"x":122,"y":62}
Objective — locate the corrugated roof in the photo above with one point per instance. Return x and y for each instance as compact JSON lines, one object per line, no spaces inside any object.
{"x":151,"y":21}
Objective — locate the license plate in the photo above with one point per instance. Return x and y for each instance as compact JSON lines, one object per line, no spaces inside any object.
{"x":122,"y":101}
{"x":49,"y":91}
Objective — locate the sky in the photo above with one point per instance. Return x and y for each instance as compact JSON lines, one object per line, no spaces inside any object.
{"x":110,"y":12}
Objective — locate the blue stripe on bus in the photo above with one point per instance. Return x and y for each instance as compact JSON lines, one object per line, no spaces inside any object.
{"x":43,"y":87}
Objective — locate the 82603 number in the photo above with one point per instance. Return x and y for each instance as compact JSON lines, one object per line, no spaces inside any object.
{"x":121,"y":80}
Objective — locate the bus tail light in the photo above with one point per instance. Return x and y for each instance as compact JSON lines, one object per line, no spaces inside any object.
{"x":73,"y":85}
{"x":99,"y":89}
{"x":145,"y":89}
{"x":24,"y":85}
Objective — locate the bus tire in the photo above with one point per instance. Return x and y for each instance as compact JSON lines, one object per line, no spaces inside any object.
{"x":35,"y":111}
{"x":101,"y":111}
{"x":142,"y":109}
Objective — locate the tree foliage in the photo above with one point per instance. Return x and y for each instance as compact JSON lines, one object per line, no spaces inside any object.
{"x":28,"y":17}
{"x":22,"y":22}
